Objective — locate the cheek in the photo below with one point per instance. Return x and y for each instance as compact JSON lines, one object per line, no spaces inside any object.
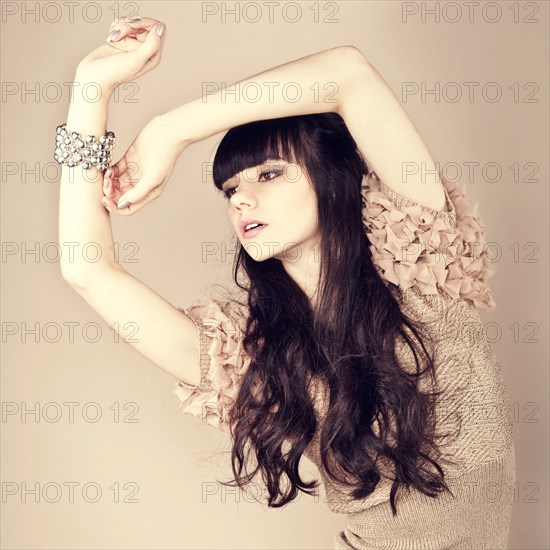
{"x":300,"y":212}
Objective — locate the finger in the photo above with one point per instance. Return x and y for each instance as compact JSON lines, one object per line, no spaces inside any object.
{"x":110,"y":185}
{"x":118,"y":168}
{"x":125,"y":175}
{"x":135,"y":27}
{"x":110,"y":205}
{"x":106,"y":181}
{"x":139,"y":195}
{"x":141,"y":23}
{"x":149,"y":54}
{"x":150,"y":47}
{"x":121,"y":31}
{"x":111,"y":181}
{"x":130,"y":209}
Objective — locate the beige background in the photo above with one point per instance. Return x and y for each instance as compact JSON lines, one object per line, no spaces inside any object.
{"x":165,"y":454}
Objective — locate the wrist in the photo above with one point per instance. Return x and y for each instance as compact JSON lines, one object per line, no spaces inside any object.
{"x":87,"y":118}
{"x":87,"y":90}
{"x":173,"y":127}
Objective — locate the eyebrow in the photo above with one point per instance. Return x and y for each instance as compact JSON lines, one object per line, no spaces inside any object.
{"x":265,"y":164}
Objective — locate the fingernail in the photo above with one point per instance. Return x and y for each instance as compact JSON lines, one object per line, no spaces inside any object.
{"x":160,"y":29}
{"x":135,"y":20}
{"x":113,"y":36}
{"x":122,"y":204}
{"x":105,"y":183}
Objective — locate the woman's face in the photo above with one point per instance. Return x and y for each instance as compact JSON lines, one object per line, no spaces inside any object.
{"x":279,"y":195}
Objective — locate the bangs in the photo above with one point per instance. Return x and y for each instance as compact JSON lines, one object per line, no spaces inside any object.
{"x":251,"y":144}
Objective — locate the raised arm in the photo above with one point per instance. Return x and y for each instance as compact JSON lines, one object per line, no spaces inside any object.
{"x":142,"y":318}
{"x":338,"y":80}
{"x":316,"y":83}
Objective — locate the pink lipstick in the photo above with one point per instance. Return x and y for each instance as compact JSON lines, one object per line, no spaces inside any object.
{"x":257,"y":227}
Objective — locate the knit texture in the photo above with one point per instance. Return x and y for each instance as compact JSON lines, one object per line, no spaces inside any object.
{"x":436,"y":267}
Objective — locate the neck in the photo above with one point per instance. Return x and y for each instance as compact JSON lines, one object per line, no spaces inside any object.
{"x":303,"y":265}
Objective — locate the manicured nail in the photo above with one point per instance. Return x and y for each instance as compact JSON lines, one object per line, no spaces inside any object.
{"x":113,"y":36}
{"x":122,"y":204}
{"x":160,"y":29}
{"x":135,"y":20}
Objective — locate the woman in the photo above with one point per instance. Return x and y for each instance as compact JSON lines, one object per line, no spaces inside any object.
{"x":358,"y":343}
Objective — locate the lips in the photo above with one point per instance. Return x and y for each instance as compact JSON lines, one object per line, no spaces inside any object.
{"x":251,"y":232}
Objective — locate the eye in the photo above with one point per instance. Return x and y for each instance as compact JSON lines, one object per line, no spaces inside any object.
{"x":275,"y":173}
{"x":228,"y":193}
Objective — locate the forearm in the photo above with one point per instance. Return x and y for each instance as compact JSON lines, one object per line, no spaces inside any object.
{"x":85,"y":233}
{"x":313,"y":84}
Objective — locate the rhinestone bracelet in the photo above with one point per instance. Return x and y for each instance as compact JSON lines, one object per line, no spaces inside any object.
{"x":71,"y":149}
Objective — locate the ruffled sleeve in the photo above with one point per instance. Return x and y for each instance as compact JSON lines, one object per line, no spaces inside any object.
{"x":220,"y":327}
{"x":439,"y":252}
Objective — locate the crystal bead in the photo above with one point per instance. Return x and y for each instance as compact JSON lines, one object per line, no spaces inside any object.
{"x":86,"y":165}
{"x":90,"y":139}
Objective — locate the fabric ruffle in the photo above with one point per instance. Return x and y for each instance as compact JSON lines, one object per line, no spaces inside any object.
{"x":414,"y":244}
{"x":222,"y":359}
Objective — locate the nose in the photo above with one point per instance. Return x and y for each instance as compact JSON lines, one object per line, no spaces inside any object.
{"x":242,"y":197}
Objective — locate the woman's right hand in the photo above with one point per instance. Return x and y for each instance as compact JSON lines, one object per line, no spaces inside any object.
{"x":140,"y":176}
{"x":132,"y":49}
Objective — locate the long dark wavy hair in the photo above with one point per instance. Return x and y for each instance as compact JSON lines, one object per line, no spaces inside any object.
{"x":376,"y":411}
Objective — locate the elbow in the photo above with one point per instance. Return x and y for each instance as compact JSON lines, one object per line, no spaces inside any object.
{"x":356,"y":76}
{"x":353,"y":57}
{"x":357,"y":70}
{"x":85,"y":278}
{"x":75,"y":281}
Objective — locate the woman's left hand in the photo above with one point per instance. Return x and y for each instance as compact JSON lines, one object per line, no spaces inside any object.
{"x":132,"y":48}
{"x":141,"y":175}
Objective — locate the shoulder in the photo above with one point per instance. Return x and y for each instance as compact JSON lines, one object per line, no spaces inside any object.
{"x":229,"y":317}
{"x":223,"y":362}
{"x":440,"y":251}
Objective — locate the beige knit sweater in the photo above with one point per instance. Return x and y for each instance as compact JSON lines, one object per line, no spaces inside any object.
{"x":434,"y":263}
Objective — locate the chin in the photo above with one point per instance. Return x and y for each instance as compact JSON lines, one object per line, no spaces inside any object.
{"x":259,"y":252}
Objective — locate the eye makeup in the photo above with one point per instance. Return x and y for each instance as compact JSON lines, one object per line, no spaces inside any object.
{"x":276,"y":168}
